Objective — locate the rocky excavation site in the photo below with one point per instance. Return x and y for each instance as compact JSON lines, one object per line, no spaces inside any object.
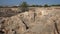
{"x":38,"y":20}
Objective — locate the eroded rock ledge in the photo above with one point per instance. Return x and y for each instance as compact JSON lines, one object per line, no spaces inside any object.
{"x":32,"y":22}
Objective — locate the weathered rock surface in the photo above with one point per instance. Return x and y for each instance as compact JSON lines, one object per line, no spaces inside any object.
{"x":40,"y":21}
{"x":8,"y":12}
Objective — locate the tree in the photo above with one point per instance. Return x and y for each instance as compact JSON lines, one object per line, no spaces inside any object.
{"x":1,"y":6}
{"x":46,"y":5}
{"x":32,"y":5}
{"x":55,"y":5}
{"x":24,"y":7}
{"x":35,"y":5}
